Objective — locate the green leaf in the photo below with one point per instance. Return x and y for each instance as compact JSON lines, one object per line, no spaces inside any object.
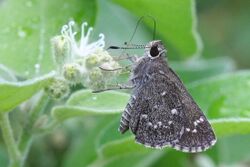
{"x":27,"y":26}
{"x":234,"y":149}
{"x":86,"y":146}
{"x":134,"y":159}
{"x":173,"y":158}
{"x":224,"y":96}
{"x":176,"y":22}
{"x":198,"y":69}
{"x":231,"y":126}
{"x":120,"y":147}
{"x":14,"y":93}
{"x":85,"y":102}
{"x":6,"y":74}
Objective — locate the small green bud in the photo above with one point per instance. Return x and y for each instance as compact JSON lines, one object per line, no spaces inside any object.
{"x":92,"y":61}
{"x":61,"y":49}
{"x":95,"y":77}
{"x":58,"y":88}
{"x":95,"y":74}
{"x":96,"y":80}
{"x":72,"y":72}
{"x":97,"y":58}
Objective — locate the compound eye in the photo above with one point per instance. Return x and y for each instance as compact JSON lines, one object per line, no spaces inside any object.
{"x":154,"y":51}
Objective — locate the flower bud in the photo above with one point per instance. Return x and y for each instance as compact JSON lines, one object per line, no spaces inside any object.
{"x":61,"y":49}
{"x":92,"y":61}
{"x":95,"y":80}
{"x":95,"y":74}
{"x":58,"y":88}
{"x":72,"y":72}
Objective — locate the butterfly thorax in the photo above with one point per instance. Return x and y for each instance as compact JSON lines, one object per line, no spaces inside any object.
{"x":146,"y":68}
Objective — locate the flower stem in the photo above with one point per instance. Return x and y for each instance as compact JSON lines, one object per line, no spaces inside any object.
{"x":27,"y":136}
{"x":7,"y":132}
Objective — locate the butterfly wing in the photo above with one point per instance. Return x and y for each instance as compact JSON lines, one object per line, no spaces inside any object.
{"x":163,"y":113}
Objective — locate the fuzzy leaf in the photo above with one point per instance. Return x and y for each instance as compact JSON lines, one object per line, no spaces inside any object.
{"x":6,"y":74}
{"x":87,"y":103}
{"x":14,"y":93}
{"x":224,"y":96}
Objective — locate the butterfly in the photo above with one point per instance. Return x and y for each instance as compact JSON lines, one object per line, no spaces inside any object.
{"x":161,"y":112}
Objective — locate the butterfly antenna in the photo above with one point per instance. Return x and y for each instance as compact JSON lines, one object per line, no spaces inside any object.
{"x":135,"y":46}
{"x":138,"y":23}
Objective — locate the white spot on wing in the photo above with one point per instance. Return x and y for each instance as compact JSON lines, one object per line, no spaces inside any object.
{"x":187,"y":129}
{"x":195,"y":123}
{"x":149,"y":124}
{"x":182,"y":131}
{"x":159,"y":123}
{"x":163,"y":93}
{"x":174,"y":111}
{"x":161,"y":72}
{"x":155,"y":107}
{"x":145,"y":116}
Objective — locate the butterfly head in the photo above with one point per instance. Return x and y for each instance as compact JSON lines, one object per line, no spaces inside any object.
{"x":155,"y":49}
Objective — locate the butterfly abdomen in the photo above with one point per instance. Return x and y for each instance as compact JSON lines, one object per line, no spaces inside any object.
{"x":125,"y":119}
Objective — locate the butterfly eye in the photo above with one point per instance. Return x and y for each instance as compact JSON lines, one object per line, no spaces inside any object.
{"x":154,"y":51}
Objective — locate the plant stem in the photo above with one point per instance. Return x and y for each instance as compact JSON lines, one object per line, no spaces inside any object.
{"x":27,"y":135}
{"x":9,"y":140}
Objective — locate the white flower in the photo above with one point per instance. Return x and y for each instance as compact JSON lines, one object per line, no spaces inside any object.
{"x":83,"y":47}
{"x":78,"y":61}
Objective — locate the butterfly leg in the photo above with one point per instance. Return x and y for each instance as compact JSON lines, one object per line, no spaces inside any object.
{"x":126,"y":68}
{"x":119,"y":86}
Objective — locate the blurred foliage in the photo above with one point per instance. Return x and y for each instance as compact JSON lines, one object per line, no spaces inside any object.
{"x":87,"y":135}
{"x":224,"y":28}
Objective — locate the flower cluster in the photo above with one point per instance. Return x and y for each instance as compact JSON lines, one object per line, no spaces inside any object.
{"x":78,"y":62}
